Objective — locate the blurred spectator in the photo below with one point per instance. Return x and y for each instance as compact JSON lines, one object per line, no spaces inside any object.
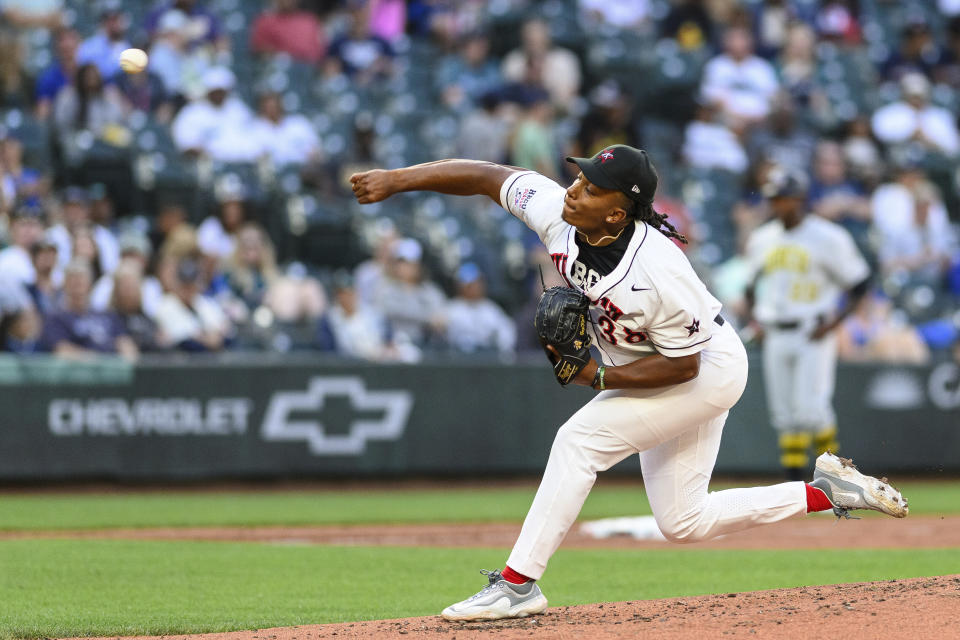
{"x":18,"y":183}
{"x":833,"y":195}
{"x":624,"y":14}
{"x":188,"y":320}
{"x":135,"y":254}
{"x":369,"y":273}
{"x":20,"y":324}
{"x":362,"y":55}
{"x":202,"y":26}
{"x":145,"y":92}
{"x":179,"y":66}
{"x":26,"y":229}
{"x":689,"y":23}
{"x":179,"y":244}
{"x":914,"y":120}
{"x":103,"y":47}
{"x":387,"y":18}
{"x":541,"y":64}
{"x":89,"y":105}
{"x":286,"y":28}
{"x":30,"y":14}
{"x":608,"y":121}
{"x":465,"y":77}
{"x":287,"y":138}
{"x":772,"y":20}
{"x":797,"y":65}
{"x":709,"y":144}
{"x":741,"y":82}
{"x":474,"y":322}
{"x":874,"y":333}
{"x":484,"y":133}
{"x":913,"y":232}
{"x":217,"y":125}
{"x":917,"y":53}
{"x":216,"y":234}
{"x":170,"y":216}
{"x":101,"y":206}
{"x":295,"y":297}
{"x":253,"y":278}
{"x":126,"y":300}
{"x":414,"y":306}
{"x":58,"y":75}
{"x":75,"y":330}
{"x":14,"y":84}
{"x":862,"y":153}
{"x":836,"y":21}
{"x":947,"y":70}
{"x":359,"y":331}
{"x":75,"y":213}
{"x":534,"y":146}
{"x":783,"y":140}
{"x":45,"y":288}
{"x":252,"y":267}
{"x":83,"y":246}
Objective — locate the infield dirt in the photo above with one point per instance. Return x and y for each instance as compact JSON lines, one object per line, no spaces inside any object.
{"x":915,"y":609}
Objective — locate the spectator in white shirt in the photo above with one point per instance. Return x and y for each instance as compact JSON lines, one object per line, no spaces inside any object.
{"x":709,"y":144}
{"x":913,"y":231}
{"x":180,"y":68}
{"x":135,"y":252}
{"x":216,"y":235}
{"x":414,"y":306}
{"x":76,"y":215}
{"x":741,"y":82}
{"x":474,"y":322}
{"x":218,"y":124}
{"x":914,"y":120}
{"x":287,"y":138}
{"x":188,"y":320}
{"x":359,"y":331}
{"x":16,"y":262}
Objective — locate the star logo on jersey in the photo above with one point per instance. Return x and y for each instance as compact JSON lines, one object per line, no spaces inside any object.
{"x":693,"y":327}
{"x":605,"y":155}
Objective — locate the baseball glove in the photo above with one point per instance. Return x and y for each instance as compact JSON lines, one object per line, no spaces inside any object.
{"x":561,"y":321}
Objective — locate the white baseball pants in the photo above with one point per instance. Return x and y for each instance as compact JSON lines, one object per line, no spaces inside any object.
{"x":676,"y":430}
{"x":800,"y":375}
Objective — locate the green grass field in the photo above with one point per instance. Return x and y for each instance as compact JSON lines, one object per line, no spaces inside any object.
{"x":56,"y":588}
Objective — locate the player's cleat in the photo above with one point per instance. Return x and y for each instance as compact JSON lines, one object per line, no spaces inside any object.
{"x":499,"y":599}
{"x":847,"y":488}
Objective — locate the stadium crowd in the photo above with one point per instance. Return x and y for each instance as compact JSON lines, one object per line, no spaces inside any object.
{"x":202,"y":205}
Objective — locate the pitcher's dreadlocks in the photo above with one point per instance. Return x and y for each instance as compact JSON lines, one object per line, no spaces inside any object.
{"x":644,"y":212}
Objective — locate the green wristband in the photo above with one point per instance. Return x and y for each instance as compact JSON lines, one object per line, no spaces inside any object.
{"x":603,"y":370}
{"x":598,"y":378}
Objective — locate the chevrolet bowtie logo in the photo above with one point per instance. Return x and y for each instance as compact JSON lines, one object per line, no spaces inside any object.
{"x":279,"y":427}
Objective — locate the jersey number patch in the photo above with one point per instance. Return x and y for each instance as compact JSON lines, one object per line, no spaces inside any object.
{"x":608,"y":331}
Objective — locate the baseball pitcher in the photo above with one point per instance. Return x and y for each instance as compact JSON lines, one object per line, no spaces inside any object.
{"x":804,"y":266}
{"x":670,"y":367}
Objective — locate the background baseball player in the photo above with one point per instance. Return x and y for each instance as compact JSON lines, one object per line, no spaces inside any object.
{"x":803,"y":266}
{"x":672,"y":368}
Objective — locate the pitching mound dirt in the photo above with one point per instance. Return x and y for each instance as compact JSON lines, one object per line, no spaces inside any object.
{"x":916,"y":609}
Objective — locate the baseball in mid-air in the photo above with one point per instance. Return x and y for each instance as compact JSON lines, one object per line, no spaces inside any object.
{"x":133,"y":60}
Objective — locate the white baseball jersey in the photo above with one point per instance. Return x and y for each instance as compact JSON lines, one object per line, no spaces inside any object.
{"x":651,"y":302}
{"x":802,"y":270}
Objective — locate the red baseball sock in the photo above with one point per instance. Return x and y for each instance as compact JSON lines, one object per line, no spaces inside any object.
{"x":817,"y":500}
{"x":513,"y":577}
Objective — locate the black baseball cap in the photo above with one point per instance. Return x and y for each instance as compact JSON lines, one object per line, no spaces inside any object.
{"x":623,"y":169}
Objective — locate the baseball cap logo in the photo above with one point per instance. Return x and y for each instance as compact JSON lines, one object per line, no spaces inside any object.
{"x":605,"y":155}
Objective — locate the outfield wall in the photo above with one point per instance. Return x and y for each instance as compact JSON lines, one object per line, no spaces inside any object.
{"x":268,"y":416}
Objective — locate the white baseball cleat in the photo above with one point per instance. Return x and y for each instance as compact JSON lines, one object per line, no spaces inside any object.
{"x":847,"y":488}
{"x":499,"y":599}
